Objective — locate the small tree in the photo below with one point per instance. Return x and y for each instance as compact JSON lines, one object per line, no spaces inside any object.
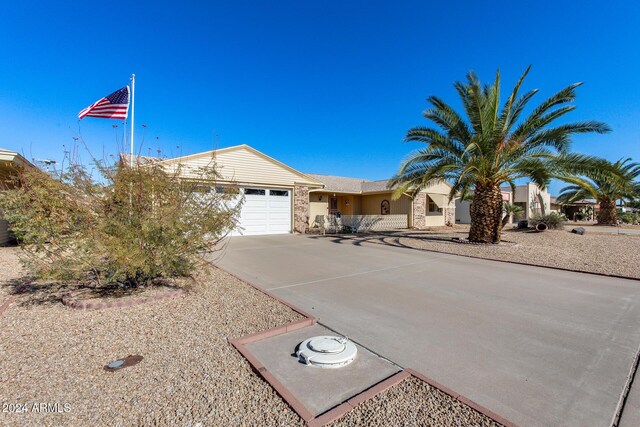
{"x":129,"y":226}
{"x":510,"y":209}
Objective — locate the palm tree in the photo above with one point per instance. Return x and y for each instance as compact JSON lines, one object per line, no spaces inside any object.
{"x":490,"y":147}
{"x":606,"y":182}
{"x":509,"y":210}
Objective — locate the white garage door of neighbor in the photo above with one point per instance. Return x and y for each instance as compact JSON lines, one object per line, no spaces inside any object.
{"x":265,"y":211}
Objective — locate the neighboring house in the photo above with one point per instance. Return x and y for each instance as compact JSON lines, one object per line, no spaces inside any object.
{"x":529,"y":197}
{"x":280,"y":199}
{"x":352,"y":196}
{"x":10,"y":163}
{"x":581,"y":210}
{"x":555,"y":205}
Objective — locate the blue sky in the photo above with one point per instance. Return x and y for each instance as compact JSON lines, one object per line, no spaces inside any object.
{"x":326,"y":87}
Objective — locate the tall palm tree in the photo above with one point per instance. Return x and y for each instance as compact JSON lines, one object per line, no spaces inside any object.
{"x":491,"y":146}
{"x":619,"y":181}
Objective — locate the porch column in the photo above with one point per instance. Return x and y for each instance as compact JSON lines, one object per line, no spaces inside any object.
{"x":449,"y":216}
{"x":300,"y":209}
{"x":419,"y":206}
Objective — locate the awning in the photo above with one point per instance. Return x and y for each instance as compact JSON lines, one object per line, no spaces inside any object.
{"x":441,"y":200}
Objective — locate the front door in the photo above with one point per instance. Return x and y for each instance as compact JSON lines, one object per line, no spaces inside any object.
{"x":333,"y":205}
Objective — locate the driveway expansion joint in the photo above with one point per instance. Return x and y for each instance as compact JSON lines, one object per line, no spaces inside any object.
{"x":361,"y":273}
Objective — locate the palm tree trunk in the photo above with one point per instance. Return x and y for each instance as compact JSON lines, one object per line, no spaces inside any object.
{"x":608,"y":214}
{"x":486,"y":214}
{"x":505,"y":220}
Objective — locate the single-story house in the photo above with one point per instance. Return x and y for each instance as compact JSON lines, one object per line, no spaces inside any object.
{"x":357,"y":197}
{"x":10,"y":163}
{"x":280,"y":199}
{"x":531,"y":198}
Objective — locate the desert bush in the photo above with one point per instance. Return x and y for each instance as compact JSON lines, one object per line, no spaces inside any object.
{"x":552,"y":220}
{"x":629,"y":218}
{"x":128,"y":225}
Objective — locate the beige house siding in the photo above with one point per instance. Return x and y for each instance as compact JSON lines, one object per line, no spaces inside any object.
{"x":532,"y":199}
{"x":439,"y":188}
{"x":432,"y":219}
{"x":317,"y":207}
{"x":371,"y":204}
{"x":242,"y":165}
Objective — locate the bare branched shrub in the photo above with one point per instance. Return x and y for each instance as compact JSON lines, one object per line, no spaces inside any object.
{"x":128,"y":225}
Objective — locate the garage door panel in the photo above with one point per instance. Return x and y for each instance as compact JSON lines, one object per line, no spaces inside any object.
{"x":255,"y":217}
{"x":282,"y":216}
{"x":256,"y":204}
{"x":265,"y":212}
{"x":280,"y":204}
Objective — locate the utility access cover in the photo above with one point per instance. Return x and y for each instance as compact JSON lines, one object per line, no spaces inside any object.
{"x":326,"y":351}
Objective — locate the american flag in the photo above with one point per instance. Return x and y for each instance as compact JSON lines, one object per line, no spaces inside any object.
{"x":114,"y":106}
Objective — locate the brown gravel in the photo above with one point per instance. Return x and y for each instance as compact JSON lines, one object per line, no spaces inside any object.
{"x":10,"y":268}
{"x":413,"y":403}
{"x":593,"y":252}
{"x":189,"y":375}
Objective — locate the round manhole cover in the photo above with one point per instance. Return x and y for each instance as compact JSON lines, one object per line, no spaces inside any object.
{"x":327,"y":352}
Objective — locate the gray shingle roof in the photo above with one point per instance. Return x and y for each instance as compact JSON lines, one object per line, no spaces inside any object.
{"x":374,"y":186}
{"x":349,"y":185}
{"x":338,"y":183}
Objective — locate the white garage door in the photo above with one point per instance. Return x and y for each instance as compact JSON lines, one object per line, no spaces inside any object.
{"x":265,"y":211}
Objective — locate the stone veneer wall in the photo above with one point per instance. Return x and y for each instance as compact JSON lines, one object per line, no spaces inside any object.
{"x":300,"y":209}
{"x":449,"y":216}
{"x":419,"y":210}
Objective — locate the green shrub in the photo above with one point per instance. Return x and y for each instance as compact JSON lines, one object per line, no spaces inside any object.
{"x":129,"y":226}
{"x":552,"y":220}
{"x":629,"y":218}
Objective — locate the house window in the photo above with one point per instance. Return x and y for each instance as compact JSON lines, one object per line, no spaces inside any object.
{"x":283,"y":193}
{"x":385,"y":207}
{"x":433,"y":208}
{"x":254,"y":191}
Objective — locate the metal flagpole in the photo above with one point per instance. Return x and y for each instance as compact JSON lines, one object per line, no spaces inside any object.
{"x":133,"y":109}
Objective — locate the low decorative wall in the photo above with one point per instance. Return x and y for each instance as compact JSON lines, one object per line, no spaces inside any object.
{"x":362,"y":223}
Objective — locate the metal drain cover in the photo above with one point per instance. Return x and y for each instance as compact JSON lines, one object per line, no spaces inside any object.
{"x":327,"y":352}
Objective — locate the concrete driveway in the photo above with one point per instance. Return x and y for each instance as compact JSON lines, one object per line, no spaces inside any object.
{"x":538,"y":346}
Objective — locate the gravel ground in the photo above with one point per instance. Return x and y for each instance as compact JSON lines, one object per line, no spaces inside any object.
{"x":592,"y":252}
{"x":413,"y":403}
{"x":10,"y":268}
{"x":189,"y":375}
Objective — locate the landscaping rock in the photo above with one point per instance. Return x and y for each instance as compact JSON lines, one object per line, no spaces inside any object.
{"x":414,"y":403}
{"x":578,"y":230}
